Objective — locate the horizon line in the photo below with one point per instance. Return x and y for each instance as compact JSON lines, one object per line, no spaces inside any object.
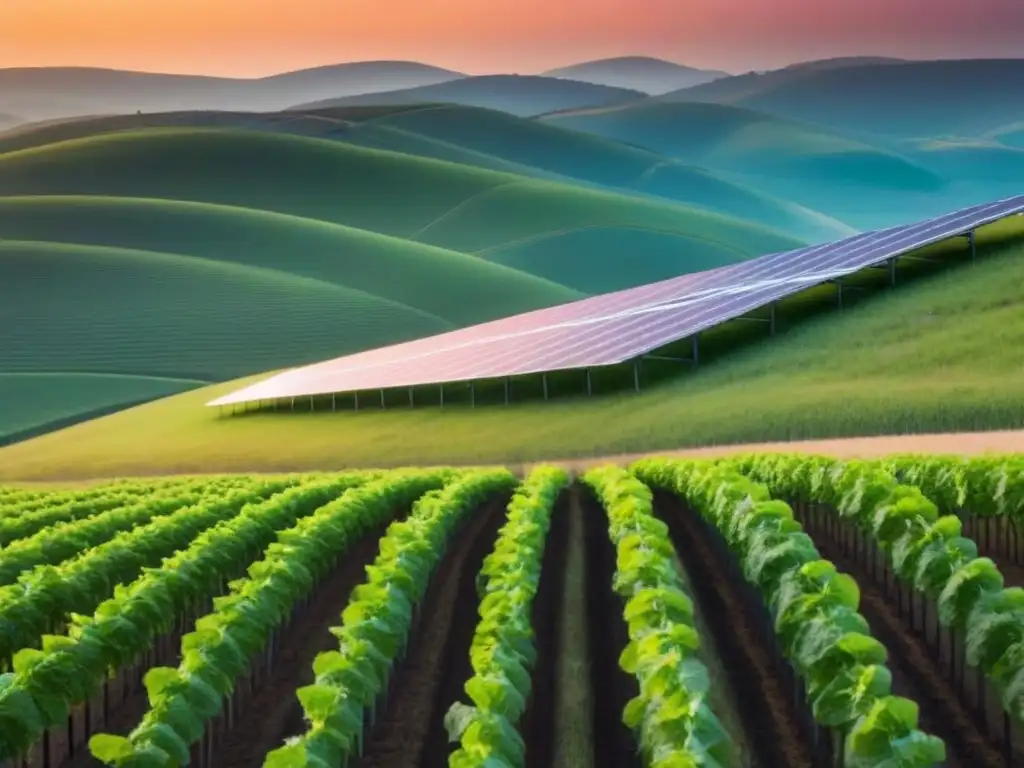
{"x":540,"y":73}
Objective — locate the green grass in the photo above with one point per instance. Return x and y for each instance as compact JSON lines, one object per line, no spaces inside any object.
{"x":438,"y":203}
{"x":56,"y":397}
{"x":727,"y":138}
{"x":477,"y":138}
{"x":944,"y":353}
{"x":464,"y":289}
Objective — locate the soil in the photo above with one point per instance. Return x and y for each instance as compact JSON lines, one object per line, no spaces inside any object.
{"x":954,"y":443}
{"x":916,"y":675}
{"x":537,"y":725}
{"x":614,"y":743}
{"x":410,"y":731}
{"x":271,"y":705}
{"x":770,"y":720}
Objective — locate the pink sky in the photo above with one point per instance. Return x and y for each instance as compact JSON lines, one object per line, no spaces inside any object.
{"x":256,"y":37}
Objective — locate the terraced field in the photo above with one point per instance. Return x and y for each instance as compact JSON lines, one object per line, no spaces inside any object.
{"x":758,"y":611}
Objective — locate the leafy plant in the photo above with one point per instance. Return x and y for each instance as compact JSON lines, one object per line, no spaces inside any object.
{"x":927,"y":552}
{"x":377,"y":621}
{"x":671,"y":717}
{"x":69,"y":669}
{"x":502,"y":652}
{"x":814,"y":609}
{"x":182,"y":701}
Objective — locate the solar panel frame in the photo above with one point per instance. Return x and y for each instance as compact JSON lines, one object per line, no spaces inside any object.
{"x":616,"y":327}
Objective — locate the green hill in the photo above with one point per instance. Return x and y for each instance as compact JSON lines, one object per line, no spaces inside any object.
{"x":464,"y":289}
{"x":913,"y":99}
{"x":940,"y":354}
{"x":485,"y":139}
{"x":32,"y":403}
{"x":597,"y":160}
{"x":641,"y":73}
{"x":970,"y":159}
{"x":522,"y":95}
{"x":436,"y":203}
{"x":728,"y":138}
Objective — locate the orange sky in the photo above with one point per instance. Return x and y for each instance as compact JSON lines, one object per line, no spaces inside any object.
{"x":255,"y":37}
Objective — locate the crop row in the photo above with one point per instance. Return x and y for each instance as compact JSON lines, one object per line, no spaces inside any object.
{"x":196,"y":581}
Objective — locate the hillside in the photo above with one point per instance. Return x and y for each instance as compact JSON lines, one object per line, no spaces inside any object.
{"x":907,"y":99}
{"x":43,"y":93}
{"x":523,"y":95}
{"x":970,"y":159}
{"x":8,"y":120}
{"x":639,"y":73}
{"x":724,"y":137}
{"x":487,"y":139}
{"x":436,"y":203}
{"x":908,"y":361}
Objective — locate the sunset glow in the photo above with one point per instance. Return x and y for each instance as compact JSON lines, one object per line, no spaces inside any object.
{"x":256,"y":37}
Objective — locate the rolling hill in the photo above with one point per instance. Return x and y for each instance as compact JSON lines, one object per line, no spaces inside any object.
{"x":485,"y":139}
{"x":43,"y":93}
{"x":639,"y":73}
{"x":906,"y":361}
{"x":159,"y":258}
{"x":970,"y":159}
{"x":729,"y":138}
{"x":9,"y":121}
{"x":441,"y":204}
{"x":896,"y":100}
{"x":523,"y":95}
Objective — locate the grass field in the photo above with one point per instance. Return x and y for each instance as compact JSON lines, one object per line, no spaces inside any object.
{"x":909,"y":361}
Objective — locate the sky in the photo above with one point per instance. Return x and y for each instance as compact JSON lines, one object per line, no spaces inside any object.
{"x":250,"y":38}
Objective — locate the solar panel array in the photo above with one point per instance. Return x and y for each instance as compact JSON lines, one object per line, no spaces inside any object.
{"x":614,"y":327}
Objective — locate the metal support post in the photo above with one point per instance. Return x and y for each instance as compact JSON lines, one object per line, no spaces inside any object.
{"x":412,"y":398}
{"x":334,"y":401}
{"x":355,"y":396}
{"x":696,"y":349}
{"x":590,"y":387}
{"x":636,"y":375}
{"x":508,"y":387}
{"x":472,"y":395}
{"x":310,"y":403}
{"x":544,"y":381}
{"x":440,"y":388}
{"x":771,"y":320}
{"x":892,"y":271}
{"x":839,"y":294}
{"x":293,"y":403}
{"x":383,"y":404}
{"x":974,"y":250}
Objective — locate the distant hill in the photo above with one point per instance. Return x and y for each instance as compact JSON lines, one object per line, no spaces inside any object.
{"x":523,"y":95}
{"x":640,"y":73}
{"x":730,"y":89}
{"x":45,"y":93}
{"x":970,"y":159}
{"x":917,"y":99}
{"x":728,"y":138}
{"x":9,"y":121}
{"x":486,"y":139}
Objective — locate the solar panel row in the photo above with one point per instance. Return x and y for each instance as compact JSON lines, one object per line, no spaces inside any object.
{"x":615,"y":327}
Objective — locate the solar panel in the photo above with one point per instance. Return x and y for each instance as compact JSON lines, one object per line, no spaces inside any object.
{"x":615,"y":327}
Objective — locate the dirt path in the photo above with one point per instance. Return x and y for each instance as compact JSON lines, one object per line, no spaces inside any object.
{"x":963,"y":444}
{"x":614,"y":743}
{"x":537,"y":725}
{"x":409,"y":731}
{"x":267,"y":708}
{"x":770,"y":720}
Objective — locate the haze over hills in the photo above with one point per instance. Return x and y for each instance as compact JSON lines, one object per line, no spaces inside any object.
{"x":640,"y":73}
{"x":522,"y":95}
{"x":45,"y":93}
{"x":914,"y":99}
